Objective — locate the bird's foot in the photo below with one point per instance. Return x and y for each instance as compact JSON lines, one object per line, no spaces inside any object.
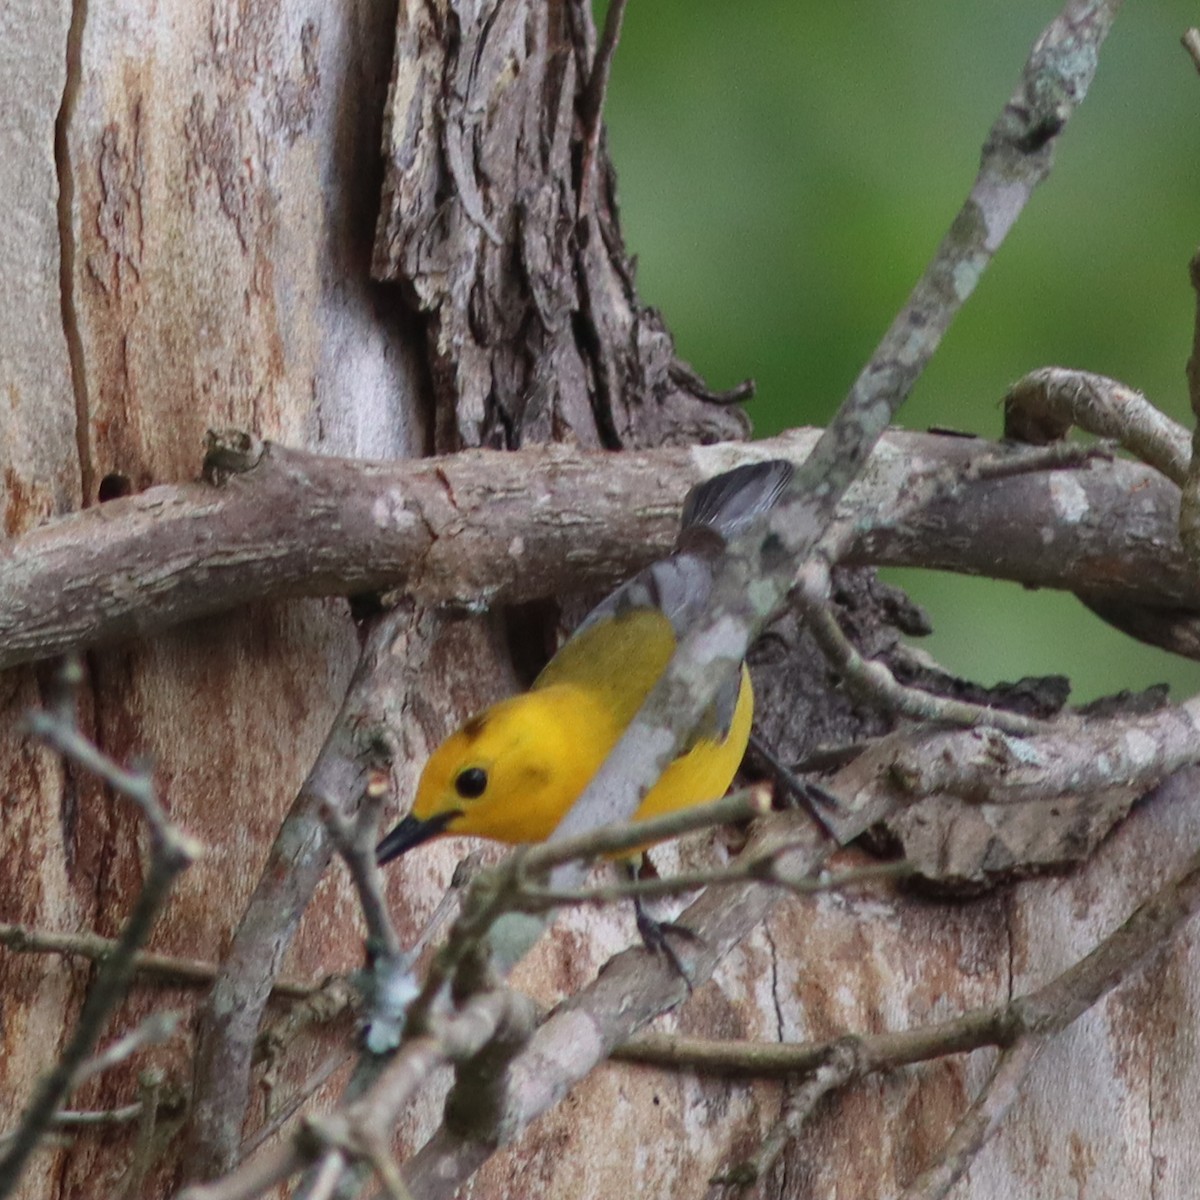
{"x":655,"y":937}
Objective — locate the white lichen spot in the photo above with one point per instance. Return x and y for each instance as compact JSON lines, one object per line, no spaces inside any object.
{"x":1004,"y":206}
{"x":1068,"y":497}
{"x":1023,"y":751}
{"x":391,"y":512}
{"x":570,"y":1038}
{"x":1140,"y":747}
{"x":763,"y":595}
{"x":966,"y":276}
{"x":516,"y":547}
{"x":726,"y":640}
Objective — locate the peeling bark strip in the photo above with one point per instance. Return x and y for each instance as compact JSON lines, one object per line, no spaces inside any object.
{"x":484,"y":148}
{"x":502,"y":528}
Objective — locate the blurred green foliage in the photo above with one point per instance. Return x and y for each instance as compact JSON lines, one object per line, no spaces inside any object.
{"x":785,"y":171}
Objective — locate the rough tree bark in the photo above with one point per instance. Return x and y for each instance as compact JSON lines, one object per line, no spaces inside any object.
{"x":191,"y":196}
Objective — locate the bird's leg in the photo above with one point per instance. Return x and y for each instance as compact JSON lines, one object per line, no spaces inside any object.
{"x":808,"y":795}
{"x":654,"y":933}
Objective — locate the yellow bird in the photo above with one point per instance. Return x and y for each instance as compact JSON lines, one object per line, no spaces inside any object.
{"x":512,"y":772}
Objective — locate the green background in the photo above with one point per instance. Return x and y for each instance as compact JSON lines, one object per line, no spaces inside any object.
{"x":785,"y":171}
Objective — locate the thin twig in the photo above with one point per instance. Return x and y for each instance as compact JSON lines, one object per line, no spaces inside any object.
{"x":136,"y":785}
{"x":150,"y":1087}
{"x":355,"y":840}
{"x":292,"y":1105}
{"x":156,"y":1029}
{"x":356,"y":747}
{"x":619,"y":839}
{"x":172,"y":852}
{"x":874,"y":683}
{"x":802,"y":1098}
{"x":328,"y":1172}
{"x":375,"y":1112}
{"x":389,"y":983}
{"x":160,"y":968}
{"x":765,"y":869}
{"x":72,"y":1118}
{"x":980,"y":1121}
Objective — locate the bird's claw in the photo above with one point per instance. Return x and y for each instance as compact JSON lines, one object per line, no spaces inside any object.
{"x":654,"y":935}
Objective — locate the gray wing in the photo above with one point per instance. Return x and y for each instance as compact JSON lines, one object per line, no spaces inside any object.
{"x":680,"y":586}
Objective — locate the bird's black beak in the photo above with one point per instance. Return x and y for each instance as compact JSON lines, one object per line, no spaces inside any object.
{"x":411,"y":832}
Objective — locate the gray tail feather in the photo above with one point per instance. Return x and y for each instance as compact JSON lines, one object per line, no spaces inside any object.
{"x":728,"y":502}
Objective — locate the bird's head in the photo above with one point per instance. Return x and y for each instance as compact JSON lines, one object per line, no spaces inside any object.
{"x":509,"y":774}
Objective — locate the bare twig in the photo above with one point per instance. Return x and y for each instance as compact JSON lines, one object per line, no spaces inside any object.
{"x":355,"y":841}
{"x":157,"y":1028}
{"x":981,"y":1120}
{"x":874,"y":683}
{"x":627,"y":837}
{"x":137,"y":785}
{"x":284,"y":1112}
{"x":374,"y":1113}
{"x":159,"y":968}
{"x":802,"y":1098}
{"x":148,"y":1143}
{"x":389,"y":985}
{"x":96,"y":1118}
{"x":765,"y":868}
{"x":171,"y":852}
{"x":393,"y":653}
{"x":330,"y":1167}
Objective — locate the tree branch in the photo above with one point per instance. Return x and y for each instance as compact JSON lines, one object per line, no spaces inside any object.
{"x":1044,"y":405}
{"x":358,"y":745}
{"x":979,"y":1122}
{"x":160,"y":968}
{"x":511,"y":527}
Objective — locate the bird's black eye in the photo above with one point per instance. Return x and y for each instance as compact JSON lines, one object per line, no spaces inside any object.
{"x":471,"y":783}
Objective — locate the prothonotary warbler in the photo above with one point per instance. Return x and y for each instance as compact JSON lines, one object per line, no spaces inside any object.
{"x":512,"y":772}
